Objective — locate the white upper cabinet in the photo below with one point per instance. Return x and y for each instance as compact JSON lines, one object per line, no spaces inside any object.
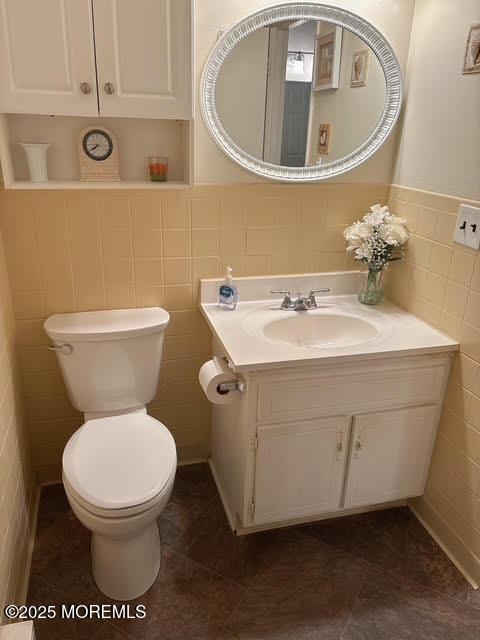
{"x":144,"y":54}
{"x":142,"y":51}
{"x":47,"y":57}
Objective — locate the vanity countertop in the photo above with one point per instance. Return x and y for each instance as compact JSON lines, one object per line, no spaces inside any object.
{"x":258,"y":335}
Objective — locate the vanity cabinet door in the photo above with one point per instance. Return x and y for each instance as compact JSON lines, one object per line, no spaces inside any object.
{"x":300,"y":468}
{"x":47,"y":57}
{"x":144,"y":54}
{"x":389,"y":455}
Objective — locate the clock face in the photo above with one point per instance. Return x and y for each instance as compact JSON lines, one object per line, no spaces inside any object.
{"x":97,"y":144}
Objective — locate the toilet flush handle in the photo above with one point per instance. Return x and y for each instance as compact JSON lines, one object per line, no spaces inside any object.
{"x":66,"y":349}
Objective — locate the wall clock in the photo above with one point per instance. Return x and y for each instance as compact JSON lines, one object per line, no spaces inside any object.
{"x":98,"y":154}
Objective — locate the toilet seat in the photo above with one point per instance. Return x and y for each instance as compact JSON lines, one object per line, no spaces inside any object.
{"x":116,"y":513}
{"x":120,"y":465}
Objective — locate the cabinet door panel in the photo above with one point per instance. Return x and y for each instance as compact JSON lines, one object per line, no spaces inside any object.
{"x":144,"y":51}
{"x":46,"y":53}
{"x":300,"y":468}
{"x":390,"y":455}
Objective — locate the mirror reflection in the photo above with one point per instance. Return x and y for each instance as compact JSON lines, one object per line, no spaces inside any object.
{"x":300,"y":93}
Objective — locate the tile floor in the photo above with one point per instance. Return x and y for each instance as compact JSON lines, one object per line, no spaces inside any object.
{"x":377,"y":576}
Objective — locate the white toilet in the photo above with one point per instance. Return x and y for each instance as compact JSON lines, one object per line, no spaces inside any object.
{"x":119,"y":467}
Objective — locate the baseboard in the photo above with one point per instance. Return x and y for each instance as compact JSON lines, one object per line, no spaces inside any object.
{"x":184,"y":463}
{"x":22,"y":587}
{"x":18,"y":631}
{"x":434,"y":523}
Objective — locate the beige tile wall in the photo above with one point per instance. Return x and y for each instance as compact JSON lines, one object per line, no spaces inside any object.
{"x":18,"y":490}
{"x":72,"y":251}
{"x":440,"y":282}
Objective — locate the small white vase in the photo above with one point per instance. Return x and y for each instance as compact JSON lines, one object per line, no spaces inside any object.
{"x":37,"y":160}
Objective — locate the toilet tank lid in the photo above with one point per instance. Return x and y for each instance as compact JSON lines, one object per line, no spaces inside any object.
{"x":114,"y":324}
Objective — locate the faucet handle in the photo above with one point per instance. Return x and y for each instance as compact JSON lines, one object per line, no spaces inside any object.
{"x":287,"y":300}
{"x":311,"y":296}
{"x":314,"y":291}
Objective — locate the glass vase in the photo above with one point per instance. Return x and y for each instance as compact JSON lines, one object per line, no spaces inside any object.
{"x":371,"y":289}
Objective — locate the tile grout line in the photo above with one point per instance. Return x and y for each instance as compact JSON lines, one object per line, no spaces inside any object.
{"x":357,"y":595}
{"x":199,"y":564}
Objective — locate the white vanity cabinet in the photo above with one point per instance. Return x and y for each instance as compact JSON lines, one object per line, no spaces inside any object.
{"x":389,"y":455}
{"x":307,"y":443}
{"x":51,"y":54}
{"x":299,"y":468}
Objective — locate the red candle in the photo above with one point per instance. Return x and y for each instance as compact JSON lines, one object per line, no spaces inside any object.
{"x":158,"y":168}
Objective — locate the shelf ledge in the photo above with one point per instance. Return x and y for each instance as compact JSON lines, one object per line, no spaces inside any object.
{"x":77,"y":184}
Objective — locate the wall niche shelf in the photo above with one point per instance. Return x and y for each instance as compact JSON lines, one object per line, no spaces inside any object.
{"x":137,"y":139}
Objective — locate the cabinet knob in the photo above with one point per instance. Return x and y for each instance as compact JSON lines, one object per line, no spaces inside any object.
{"x":85,"y":87}
{"x":109,"y":88}
{"x":339,"y":446}
{"x":357,"y":447}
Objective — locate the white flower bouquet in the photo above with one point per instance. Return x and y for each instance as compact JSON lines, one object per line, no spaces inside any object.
{"x":377,"y":239}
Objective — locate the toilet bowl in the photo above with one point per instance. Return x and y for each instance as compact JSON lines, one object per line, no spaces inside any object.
{"x":119,"y":467}
{"x":118,"y":474}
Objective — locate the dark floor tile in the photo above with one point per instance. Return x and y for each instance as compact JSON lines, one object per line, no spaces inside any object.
{"x":58,"y":532}
{"x":211,"y":542}
{"x":71,"y":573}
{"x":186,"y":601}
{"x":473,"y":598}
{"x":109,"y":632}
{"x":185,"y":504}
{"x":316,"y":606}
{"x":389,"y":606}
{"x":395,"y":540}
{"x":53,"y":502}
{"x":169,"y":532}
{"x":59,"y":628}
{"x":200,"y":476}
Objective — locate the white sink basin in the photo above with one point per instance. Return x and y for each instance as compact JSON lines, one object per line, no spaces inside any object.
{"x":325,"y":327}
{"x":313,"y":329}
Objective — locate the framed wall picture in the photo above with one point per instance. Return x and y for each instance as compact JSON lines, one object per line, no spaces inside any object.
{"x":325,"y":132}
{"x":328,"y":52}
{"x":360,"y":63}
{"x":471,"y":63}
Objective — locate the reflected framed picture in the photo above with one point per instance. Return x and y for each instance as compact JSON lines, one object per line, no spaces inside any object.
{"x":471,"y":62}
{"x":325,"y":132}
{"x":360,"y":63}
{"x":328,"y":52}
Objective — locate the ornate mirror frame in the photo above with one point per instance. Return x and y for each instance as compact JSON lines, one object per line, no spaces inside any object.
{"x":298,"y":11}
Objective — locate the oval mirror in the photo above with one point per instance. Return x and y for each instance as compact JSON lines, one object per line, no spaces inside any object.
{"x":301,"y":92}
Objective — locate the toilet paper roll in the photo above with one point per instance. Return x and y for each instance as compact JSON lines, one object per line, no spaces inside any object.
{"x":211,"y":374}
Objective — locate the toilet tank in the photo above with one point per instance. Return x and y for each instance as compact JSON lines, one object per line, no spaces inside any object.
{"x":110,"y":360}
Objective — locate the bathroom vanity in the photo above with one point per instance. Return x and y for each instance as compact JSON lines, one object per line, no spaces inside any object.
{"x":340,"y":405}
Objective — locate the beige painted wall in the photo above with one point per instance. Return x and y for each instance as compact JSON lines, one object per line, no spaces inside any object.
{"x":440,"y":148}
{"x":18,"y":489}
{"x":76,"y":251}
{"x":392,"y":18}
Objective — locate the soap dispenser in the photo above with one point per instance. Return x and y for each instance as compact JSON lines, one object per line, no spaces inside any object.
{"x":228,"y":293}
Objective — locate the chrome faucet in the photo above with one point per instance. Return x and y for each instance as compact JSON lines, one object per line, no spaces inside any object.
{"x":300,"y":302}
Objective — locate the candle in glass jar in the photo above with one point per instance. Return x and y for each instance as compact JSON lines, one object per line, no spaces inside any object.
{"x":158,"y":168}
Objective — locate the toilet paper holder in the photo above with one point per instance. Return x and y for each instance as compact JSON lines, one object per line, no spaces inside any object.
{"x":234,"y":385}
